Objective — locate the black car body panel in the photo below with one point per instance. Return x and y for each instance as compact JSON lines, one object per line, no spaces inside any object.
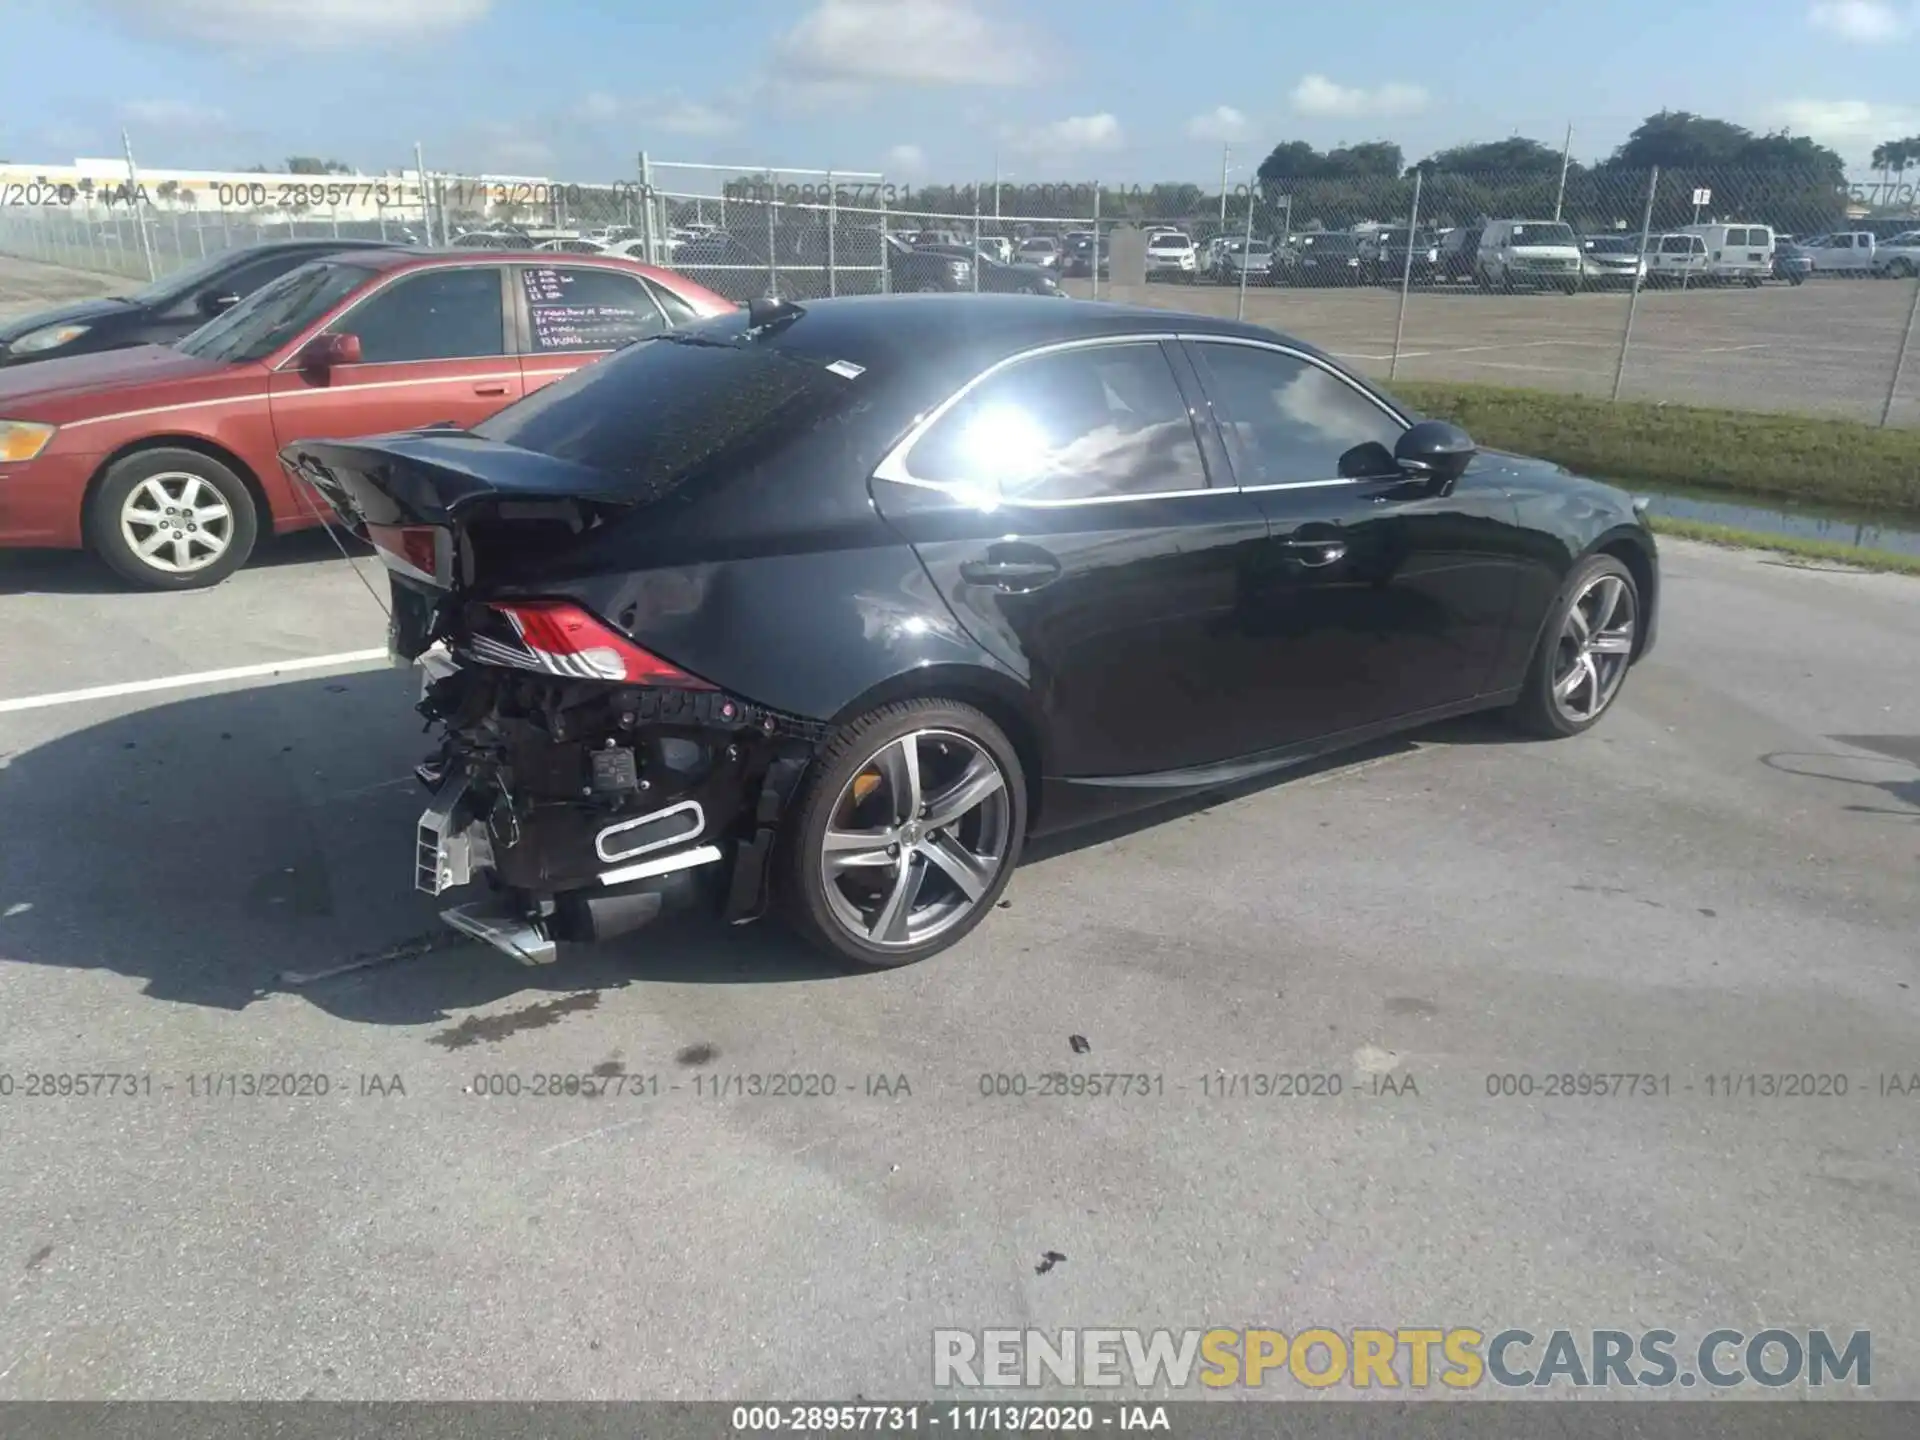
{"x":170,"y":307}
{"x":744,"y":502}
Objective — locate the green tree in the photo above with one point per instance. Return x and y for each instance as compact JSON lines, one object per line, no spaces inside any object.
{"x":1673,"y":139}
{"x":313,"y":165}
{"x":1516,"y":154}
{"x":1292,"y":160}
{"x":167,"y":190}
{"x":1375,"y":158}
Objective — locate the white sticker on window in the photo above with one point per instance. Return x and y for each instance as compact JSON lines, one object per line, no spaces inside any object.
{"x":846,"y":369}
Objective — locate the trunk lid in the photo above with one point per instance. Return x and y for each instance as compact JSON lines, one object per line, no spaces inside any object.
{"x":448,"y":512}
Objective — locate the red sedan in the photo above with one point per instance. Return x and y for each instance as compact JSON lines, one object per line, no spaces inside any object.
{"x":163,"y":459}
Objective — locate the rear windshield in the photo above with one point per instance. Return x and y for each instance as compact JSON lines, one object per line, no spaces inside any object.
{"x":1613,"y":245}
{"x":660,"y":414}
{"x":1172,"y":238}
{"x":1331,"y":242}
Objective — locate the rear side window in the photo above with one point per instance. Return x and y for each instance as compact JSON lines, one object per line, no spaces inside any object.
{"x":662,"y":413}
{"x":1095,"y":422}
{"x":577,"y":307}
{"x":1737,"y":237}
{"x":432,"y":315}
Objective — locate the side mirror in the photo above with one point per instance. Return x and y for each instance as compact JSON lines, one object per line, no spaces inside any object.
{"x":326,"y":351}
{"x":1436,"y":452}
{"x":212,"y":302}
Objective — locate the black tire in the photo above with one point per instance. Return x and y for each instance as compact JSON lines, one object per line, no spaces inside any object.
{"x":171,"y":469}
{"x":850,"y":751}
{"x":1535,"y":712}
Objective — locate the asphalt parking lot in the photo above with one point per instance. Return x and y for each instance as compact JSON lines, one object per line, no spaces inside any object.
{"x":205,"y":876}
{"x":1718,"y":882}
{"x":1827,"y":347}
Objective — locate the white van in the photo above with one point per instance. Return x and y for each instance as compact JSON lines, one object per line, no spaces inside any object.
{"x":1542,"y":253}
{"x":1734,"y":252}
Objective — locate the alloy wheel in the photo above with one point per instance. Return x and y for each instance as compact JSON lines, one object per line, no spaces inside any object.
{"x":916,"y":839}
{"x":176,"y":522}
{"x":1594,"y":649}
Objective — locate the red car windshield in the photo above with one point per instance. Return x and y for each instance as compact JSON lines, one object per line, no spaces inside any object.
{"x":274,"y":314}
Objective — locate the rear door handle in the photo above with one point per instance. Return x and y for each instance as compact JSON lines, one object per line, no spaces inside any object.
{"x":1012,"y":575}
{"x":496,"y":388}
{"x":1315,"y":552}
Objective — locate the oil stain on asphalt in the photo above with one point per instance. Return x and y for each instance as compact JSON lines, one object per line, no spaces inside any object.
{"x":490,"y":1028}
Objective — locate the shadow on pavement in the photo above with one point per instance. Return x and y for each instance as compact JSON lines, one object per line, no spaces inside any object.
{"x":230,"y":847}
{"x":212,"y":845}
{"x":74,"y":572}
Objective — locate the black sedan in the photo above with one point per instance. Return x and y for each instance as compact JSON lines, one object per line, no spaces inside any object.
{"x":829,"y":608}
{"x":998,"y":277}
{"x":162,"y":312}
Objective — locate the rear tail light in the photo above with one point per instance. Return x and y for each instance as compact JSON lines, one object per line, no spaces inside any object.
{"x":559,"y":638}
{"x":422,"y":551}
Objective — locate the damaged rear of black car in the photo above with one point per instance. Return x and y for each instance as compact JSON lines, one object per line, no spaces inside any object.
{"x":831,"y":609}
{"x":596,"y":580}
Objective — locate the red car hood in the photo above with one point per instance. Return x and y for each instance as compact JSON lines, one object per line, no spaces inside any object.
{"x":57,"y":390}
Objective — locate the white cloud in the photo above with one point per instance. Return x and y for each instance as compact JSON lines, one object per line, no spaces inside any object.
{"x":171,"y":114}
{"x":916,"y":42}
{"x":906,"y":161}
{"x":675,"y":114}
{"x":1222,"y":124}
{"x":508,"y":149}
{"x":1073,"y":135}
{"x":689,"y":117}
{"x":597,"y":105}
{"x":1863,"y":21}
{"x":1317,"y":95}
{"x":1851,"y":127}
{"x":300,"y":24}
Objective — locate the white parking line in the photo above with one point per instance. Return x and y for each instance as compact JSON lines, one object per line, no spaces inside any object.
{"x":176,"y":682}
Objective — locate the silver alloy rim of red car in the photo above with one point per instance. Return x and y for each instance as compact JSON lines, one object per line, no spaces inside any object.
{"x":176,"y":522}
{"x":1595,"y":649}
{"x":916,"y":839}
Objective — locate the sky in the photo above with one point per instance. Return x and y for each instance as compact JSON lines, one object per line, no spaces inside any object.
{"x":1066,"y":91}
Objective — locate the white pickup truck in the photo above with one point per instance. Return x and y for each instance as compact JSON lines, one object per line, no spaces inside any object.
{"x":1858,"y":253}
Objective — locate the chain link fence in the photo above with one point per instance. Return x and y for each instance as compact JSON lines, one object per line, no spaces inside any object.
{"x":1759,"y":289}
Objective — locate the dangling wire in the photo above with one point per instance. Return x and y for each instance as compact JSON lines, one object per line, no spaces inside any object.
{"x":305,"y":492}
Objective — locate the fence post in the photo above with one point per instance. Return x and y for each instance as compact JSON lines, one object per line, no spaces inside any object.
{"x":133,"y":203}
{"x":833,"y":228}
{"x":1094,"y":264}
{"x":1246,"y":260}
{"x":420,"y":174}
{"x":886,"y":248}
{"x":975,"y":266}
{"x":1900,"y":361}
{"x":646,"y":210}
{"x":773,"y":239}
{"x":1633,"y":300}
{"x":1406,"y":275}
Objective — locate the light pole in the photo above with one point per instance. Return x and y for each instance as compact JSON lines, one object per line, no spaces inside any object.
{"x":1226,"y":151}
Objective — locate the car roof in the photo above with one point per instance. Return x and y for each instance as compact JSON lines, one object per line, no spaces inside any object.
{"x":321,"y":245}
{"x":971,"y":331}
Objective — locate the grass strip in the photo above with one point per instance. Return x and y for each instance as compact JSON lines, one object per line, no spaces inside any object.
{"x":1687,"y":447}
